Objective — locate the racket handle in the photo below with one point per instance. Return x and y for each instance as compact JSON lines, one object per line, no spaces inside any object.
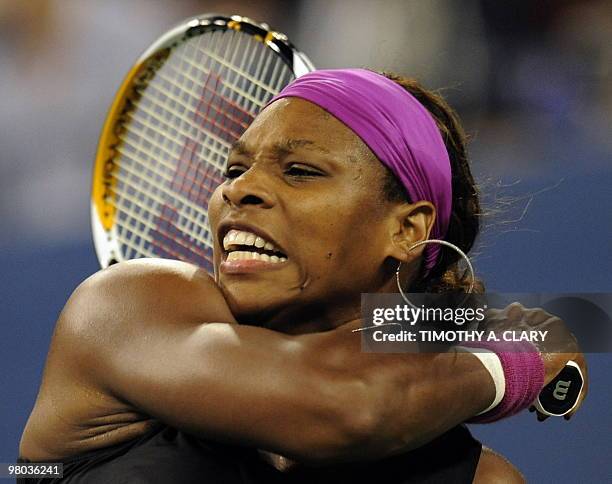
{"x":561,"y":395}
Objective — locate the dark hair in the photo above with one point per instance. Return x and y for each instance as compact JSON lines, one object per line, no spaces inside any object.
{"x":465,"y":214}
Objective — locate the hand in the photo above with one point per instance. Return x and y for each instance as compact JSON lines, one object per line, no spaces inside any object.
{"x":559,"y":346}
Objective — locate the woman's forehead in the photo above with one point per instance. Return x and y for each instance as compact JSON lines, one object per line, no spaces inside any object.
{"x":291,"y":124}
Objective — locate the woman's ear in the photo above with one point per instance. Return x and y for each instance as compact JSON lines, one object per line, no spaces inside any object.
{"x":410,"y":223}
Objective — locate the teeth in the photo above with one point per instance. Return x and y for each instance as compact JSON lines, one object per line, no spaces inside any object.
{"x":240,"y":237}
{"x":246,"y":255}
{"x":259,"y":242}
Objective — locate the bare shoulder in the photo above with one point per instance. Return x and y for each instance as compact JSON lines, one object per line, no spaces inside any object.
{"x":74,"y":412}
{"x":494,"y":468}
{"x":130,"y":300}
{"x":154,"y":281}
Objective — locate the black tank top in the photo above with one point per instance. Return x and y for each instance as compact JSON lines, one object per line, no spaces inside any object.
{"x":164,"y":455}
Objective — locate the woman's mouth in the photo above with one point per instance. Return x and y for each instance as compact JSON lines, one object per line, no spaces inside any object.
{"x":245,"y":250}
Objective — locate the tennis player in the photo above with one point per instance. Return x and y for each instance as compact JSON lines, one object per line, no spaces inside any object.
{"x":159,"y":373}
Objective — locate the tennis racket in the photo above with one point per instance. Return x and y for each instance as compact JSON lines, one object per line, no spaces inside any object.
{"x":166,"y":138}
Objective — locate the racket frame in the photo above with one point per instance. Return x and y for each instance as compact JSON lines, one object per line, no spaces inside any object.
{"x":102,"y":210}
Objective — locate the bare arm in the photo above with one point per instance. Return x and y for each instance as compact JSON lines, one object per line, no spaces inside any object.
{"x":135,"y":333}
{"x":494,"y":468}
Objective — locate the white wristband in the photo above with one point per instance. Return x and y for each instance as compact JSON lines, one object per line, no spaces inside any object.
{"x":493,"y":365}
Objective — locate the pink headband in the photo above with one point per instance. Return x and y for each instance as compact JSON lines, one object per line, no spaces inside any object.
{"x":395,"y":126}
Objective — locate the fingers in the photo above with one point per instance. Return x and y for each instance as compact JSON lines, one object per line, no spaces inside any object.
{"x":517,"y":313}
{"x":531,"y":316}
{"x":541,"y":416}
{"x":514,"y":311}
{"x":537,"y":316}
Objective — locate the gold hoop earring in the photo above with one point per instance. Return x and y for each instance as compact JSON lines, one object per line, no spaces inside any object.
{"x":447,"y":244}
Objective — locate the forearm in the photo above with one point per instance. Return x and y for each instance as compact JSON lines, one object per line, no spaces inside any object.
{"x":238,"y":384}
{"x":405,"y":400}
{"x":306,"y":398}
{"x":228,"y":382}
{"x":428,"y":395}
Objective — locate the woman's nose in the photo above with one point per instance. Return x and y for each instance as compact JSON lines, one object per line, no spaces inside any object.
{"x":249,"y":188}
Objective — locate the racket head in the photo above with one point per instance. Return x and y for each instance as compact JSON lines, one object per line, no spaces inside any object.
{"x":165,"y":140}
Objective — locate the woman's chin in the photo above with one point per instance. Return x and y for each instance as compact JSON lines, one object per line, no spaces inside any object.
{"x":254,"y":309}
{"x":261,"y":298}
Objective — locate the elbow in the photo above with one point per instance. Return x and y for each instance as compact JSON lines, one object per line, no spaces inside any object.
{"x":373,"y":423}
{"x":349,"y":430}
{"x":361,"y":418}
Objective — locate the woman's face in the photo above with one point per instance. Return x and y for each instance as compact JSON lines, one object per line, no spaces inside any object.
{"x":306,"y":184}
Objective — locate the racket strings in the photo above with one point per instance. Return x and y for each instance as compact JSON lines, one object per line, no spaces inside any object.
{"x":166,"y":126}
{"x":151,"y":197}
{"x":152,"y":128}
{"x":176,"y":138}
{"x":165,"y":177}
{"x":163,"y":134}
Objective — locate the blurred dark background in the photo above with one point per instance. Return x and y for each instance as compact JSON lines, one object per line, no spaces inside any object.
{"x":531,"y":80}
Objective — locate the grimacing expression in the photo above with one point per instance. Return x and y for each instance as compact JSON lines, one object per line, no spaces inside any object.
{"x":306,"y":184}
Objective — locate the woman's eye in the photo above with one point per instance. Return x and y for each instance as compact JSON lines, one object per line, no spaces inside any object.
{"x":299,"y":170}
{"x":233,"y":172}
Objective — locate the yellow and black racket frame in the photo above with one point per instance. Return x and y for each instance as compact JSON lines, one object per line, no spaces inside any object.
{"x":103,"y":209}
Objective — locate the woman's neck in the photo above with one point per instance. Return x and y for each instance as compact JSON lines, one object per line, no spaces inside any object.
{"x":324,"y":316}
{"x":313,"y":320}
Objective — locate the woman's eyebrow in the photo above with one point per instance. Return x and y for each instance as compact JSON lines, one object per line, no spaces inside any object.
{"x":281,"y":148}
{"x":239,"y":147}
{"x":286,"y":146}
